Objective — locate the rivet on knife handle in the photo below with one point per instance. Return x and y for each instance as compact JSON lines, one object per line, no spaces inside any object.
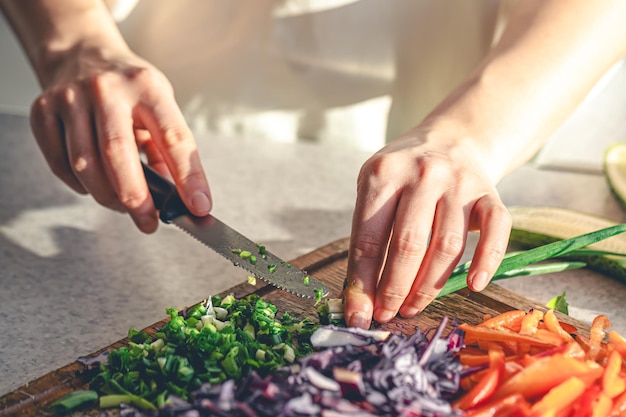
{"x":164,"y":194}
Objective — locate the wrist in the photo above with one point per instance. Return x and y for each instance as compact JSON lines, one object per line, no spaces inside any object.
{"x":88,"y":32}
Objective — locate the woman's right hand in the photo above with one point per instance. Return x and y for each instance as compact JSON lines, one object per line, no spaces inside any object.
{"x":98,"y":111}
{"x":102,"y":106}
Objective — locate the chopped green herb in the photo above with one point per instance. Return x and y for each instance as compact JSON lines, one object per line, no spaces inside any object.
{"x":251,"y":280}
{"x":305,"y":280}
{"x":245,"y":254}
{"x":236,"y":251}
{"x":252,"y":259}
{"x":319,"y":294}
{"x":74,"y":400}
{"x":271,"y":267}
{"x":218,"y":339}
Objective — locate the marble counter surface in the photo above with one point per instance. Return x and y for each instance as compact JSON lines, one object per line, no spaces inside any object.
{"x":74,"y":276}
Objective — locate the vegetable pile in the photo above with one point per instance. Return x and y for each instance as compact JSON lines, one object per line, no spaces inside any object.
{"x":364,"y":373}
{"x":218,"y":340}
{"x":531,"y":364}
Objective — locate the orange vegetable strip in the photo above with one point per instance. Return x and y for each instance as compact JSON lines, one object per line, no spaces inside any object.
{"x":602,"y":406}
{"x":549,"y":336}
{"x":509,"y":320}
{"x":619,"y":406}
{"x":568,"y":327}
{"x":612,"y":383}
{"x":530,"y":322}
{"x":546,"y":373}
{"x":596,"y":335}
{"x":618,"y":341}
{"x":585,"y":404}
{"x":559,"y":397}
{"x":513,"y":404}
{"x":502,"y":335}
{"x":487,"y":386}
{"x":553,"y":324}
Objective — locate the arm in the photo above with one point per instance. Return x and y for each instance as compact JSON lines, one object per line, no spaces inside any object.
{"x":101,"y":105}
{"x":419,"y":196}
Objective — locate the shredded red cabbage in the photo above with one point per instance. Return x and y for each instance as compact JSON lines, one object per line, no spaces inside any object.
{"x":399,"y":376}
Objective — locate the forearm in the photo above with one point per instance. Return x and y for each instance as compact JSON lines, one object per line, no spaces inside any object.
{"x":550,"y":56}
{"x":49,"y":30}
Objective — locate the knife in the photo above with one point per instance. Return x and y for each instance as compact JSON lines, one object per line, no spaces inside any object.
{"x":229,"y":243}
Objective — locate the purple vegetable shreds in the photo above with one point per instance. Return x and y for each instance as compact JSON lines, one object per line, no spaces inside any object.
{"x":360,"y":373}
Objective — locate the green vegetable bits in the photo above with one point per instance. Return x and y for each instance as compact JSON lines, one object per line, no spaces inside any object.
{"x":223,"y":338}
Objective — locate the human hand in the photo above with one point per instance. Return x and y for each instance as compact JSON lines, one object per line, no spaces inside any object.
{"x":415,"y":186}
{"x":99,"y":110}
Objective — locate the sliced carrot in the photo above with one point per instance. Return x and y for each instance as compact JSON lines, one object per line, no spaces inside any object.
{"x":618,"y":341}
{"x":560,"y":397}
{"x":502,"y":335}
{"x":553,"y":324}
{"x":568,"y":327}
{"x":613,"y":383}
{"x":530,"y":322}
{"x":549,"y":337}
{"x":619,"y":405}
{"x":596,"y":335}
{"x":511,"y":320}
{"x":546,"y":373}
{"x":487,"y":386}
{"x":512,"y":405}
{"x":602,"y":406}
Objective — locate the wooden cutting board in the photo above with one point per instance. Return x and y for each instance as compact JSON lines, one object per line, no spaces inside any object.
{"x":329,"y":264}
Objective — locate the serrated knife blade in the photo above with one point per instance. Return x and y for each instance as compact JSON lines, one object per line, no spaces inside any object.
{"x":229,"y":243}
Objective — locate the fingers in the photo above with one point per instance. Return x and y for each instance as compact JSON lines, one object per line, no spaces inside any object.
{"x":90,"y":124}
{"x":444,"y":252}
{"x":372,"y":222}
{"x":120,"y":156}
{"x":162,"y":117}
{"x":406,"y":252}
{"x":409,"y":232}
{"x":48,"y":131}
{"x":81,"y":146}
{"x":494,"y":222}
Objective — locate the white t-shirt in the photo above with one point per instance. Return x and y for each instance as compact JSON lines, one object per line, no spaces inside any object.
{"x":356,"y":72}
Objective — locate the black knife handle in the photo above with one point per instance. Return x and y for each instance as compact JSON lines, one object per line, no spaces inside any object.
{"x":164,"y":194}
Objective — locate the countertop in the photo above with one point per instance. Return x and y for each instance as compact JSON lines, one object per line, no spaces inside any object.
{"x":75,"y":277}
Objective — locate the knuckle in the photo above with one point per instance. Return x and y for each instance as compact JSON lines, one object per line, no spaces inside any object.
{"x":421,"y":298}
{"x":393,"y":295}
{"x":176,"y":136}
{"x":449,"y":245}
{"x":83,"y":163}
{"x":407,"y":248}
{"x":493,"y":254}
{"x":193,"y":177}
{"x":101,"y":81}
{"x":41,"y":106}
{"x":366,"y":248}
{"x":133,"y":200}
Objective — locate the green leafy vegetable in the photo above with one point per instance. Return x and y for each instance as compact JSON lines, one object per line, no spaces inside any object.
{"x":559,"y":303}
{"x":519,"y":263}
{"x":74,"y":400}
{"x":196,"y":346}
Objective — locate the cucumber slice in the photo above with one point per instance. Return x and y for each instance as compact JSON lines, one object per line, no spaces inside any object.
{"x":614,"y":166}
{"x":536,"y":226}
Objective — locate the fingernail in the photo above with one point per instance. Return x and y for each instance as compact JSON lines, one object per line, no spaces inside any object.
{"x":408,"y":313}
{"x":480,"y":281}
{"x":358,"y":319}
{"x":382,"y":315}
{"x":200,"y":202}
